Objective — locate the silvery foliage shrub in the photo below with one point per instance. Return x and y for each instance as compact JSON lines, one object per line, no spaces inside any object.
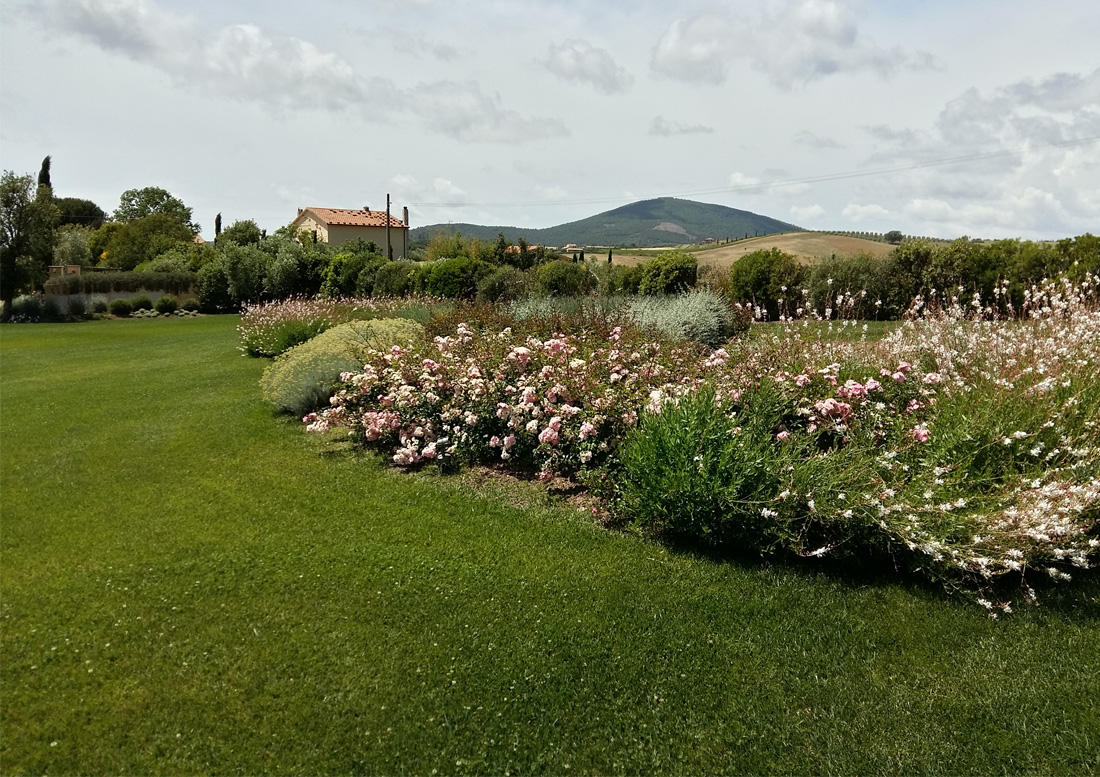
{"x":547,"y":307}
{"x":98,"y":304}
{"x":303,"y":378}
{"x":701,"y":315}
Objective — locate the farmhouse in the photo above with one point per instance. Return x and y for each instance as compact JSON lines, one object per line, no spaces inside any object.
{"x":340,"y":225}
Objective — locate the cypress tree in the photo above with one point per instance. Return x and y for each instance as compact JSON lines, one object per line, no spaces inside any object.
{"x":44,"y":173}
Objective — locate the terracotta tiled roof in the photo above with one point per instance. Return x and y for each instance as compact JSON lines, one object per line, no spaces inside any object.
{"x":343,"y":217}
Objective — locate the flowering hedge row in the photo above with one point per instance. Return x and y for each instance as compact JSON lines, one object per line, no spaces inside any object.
{"x":970,"y":444}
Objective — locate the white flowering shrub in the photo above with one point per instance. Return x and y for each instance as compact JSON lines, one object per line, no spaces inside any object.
{"x":304,"y":377}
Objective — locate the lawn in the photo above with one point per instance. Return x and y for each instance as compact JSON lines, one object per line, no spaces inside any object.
{"x":191,"y":584}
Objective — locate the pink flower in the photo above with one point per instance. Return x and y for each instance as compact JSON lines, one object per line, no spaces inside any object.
{"x":549,"y":436}
{"x":872,"y":385}
{"x":899,"y":377}
{"x":920,"y":433}
{"x":783,"y":435}
{"x":904,"y":367}
{"x":802,"y":380}
{"x":587,"y":430}
{"x":494,"y":442}
{"x":509,"y":441}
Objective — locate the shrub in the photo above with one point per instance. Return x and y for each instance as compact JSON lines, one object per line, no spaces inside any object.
{"x":213,"y":283}
{"x":77,"y":307}
{"x":27,"y":308}
{"x":702,"y":316}
{"x":670,"y":273}
{"x":503,"y":284}
{"x":453,"y":278}
{"x":98,"y":305}
{"x":51,"y":309}
{"x":395,"y":279}
{"x":763,"y":278}
{"x":190,"y":305}
{"x":121,"y":308}
{"x":304,"y":377}
{"x":141,"y":302}
{"x":166,"y":305}
{"x":563,"y":279}
{"x":108,"y":282}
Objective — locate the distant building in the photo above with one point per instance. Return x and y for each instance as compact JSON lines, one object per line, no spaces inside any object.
{"x":337,"y":226}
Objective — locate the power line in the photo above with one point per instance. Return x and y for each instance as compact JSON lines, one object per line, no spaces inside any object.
{"x":783,"y":182}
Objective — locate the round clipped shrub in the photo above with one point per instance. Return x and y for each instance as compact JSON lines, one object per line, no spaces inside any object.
{"x":563,"y":279}
{"x":669,"y":273}
{"x":141,"y":302}
{"x":303,"y":378}
{"x":121,"y":308}
{"x":166,"y":305}
{"x":190,"y":305}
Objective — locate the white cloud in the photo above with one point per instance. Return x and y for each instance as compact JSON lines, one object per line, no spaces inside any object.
{"x":1027,"y":158}
{"x":813,"y":140}
{"x":792,"y":42}
{"x":578,"y":61}
{"x":854,"y":212}
{"x":697,"y":50}
{"x":1024,"y":210}
{"x":440,"y":191}
{"x":807,"y":212}
{"x":551,"y":193}
{"x":663,"y":127}
{"x":740,"y":179}
{"x":465,"y":112}
{"x":244,"y":62}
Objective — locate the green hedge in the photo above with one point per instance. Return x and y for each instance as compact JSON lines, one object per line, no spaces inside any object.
{"x":107,"y":282}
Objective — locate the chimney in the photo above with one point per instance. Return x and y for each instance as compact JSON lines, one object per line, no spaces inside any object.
{"x":366,"y":208}
{"x":299,"y":211}
{"x":405,"y":214}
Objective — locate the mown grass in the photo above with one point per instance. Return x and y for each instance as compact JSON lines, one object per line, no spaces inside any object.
{"x":190,"y":584}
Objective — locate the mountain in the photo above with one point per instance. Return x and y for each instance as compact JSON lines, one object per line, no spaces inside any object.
{"x":665,"y":221}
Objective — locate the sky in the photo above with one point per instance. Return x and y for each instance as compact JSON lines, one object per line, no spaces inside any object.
{"x":936,"y":118}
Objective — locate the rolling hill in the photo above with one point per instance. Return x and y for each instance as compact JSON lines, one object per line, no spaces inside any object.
{"x":664,"y":221}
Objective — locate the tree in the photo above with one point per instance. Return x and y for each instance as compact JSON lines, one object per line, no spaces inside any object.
{"x":71,"y":246}
{"x":242,"y":233}
{"x":44,"y":174}
{"x":138,"y":203}
{"x":27,"y":221}
{"x":80,"y":212}
{"x":217,"y":226}
{"x":145,"y":239}
{"x":894,"y":237}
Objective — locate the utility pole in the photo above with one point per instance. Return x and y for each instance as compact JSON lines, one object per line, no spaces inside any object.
{"x":389,"y":248}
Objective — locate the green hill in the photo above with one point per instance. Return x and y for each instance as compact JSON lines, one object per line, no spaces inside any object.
{"x":664,"y":221}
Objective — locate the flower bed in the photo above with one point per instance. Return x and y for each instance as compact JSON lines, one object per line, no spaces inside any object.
{"x":967,"y":446}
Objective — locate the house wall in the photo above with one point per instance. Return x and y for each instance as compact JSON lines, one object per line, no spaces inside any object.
{"x":309,"y":224}
{"x":337,"y":234}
